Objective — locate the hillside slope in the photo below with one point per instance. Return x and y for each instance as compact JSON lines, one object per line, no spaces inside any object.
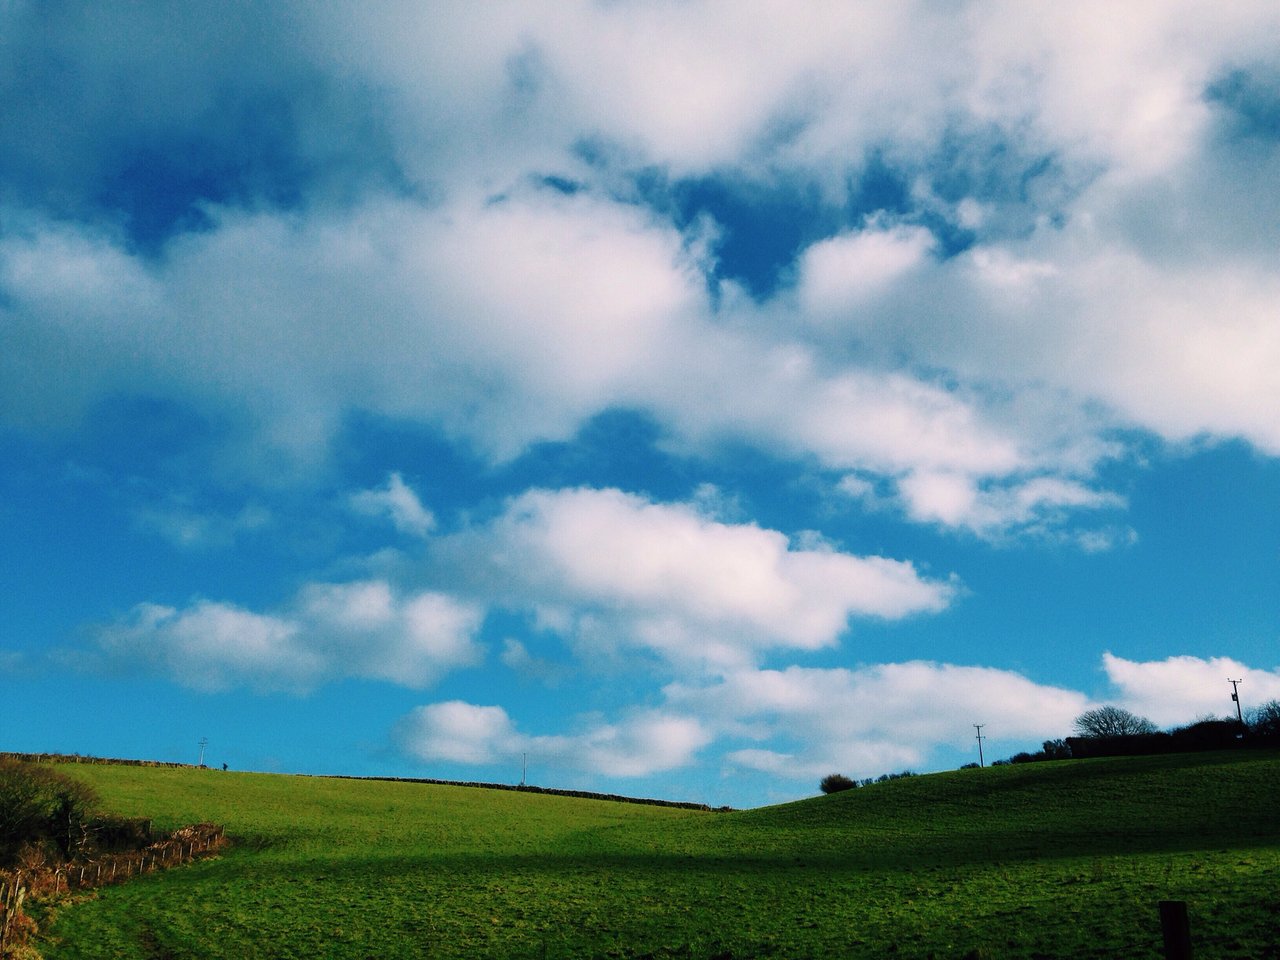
{"x":1046,"y":860}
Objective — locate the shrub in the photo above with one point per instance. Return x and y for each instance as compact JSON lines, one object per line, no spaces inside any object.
{"x":42,"y":807}
{"x":1056,"y":750}
{"x":1206,"y":734}
{"x":835,"y":782}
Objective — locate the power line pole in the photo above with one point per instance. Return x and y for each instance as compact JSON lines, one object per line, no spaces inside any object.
{"x":204,"y":742}
{"x":1235,"y":695}
{"x":978,"y":726}
{"x":524,"y":767}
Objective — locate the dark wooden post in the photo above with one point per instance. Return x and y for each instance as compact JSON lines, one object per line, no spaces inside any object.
{"x":1177,"y":929}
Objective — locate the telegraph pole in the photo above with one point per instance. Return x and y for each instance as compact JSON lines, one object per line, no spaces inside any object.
{"x":204,"y":742}
{"x":1235,"y":695}
{"x":978,"y":726}
{"x":524,"y":768}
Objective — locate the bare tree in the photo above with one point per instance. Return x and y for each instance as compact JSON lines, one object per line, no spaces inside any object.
{"x":1112,"y":722}
{"x":1264,"y":721}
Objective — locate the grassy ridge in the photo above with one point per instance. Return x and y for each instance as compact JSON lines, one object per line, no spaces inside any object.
{"x":1042,"y":860}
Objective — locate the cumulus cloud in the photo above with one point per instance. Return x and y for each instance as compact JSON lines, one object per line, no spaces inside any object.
{"x":361,"y":629}
{"x":799,"y":723}
{"x":644,"y":743}
{"x":460,"y":733}
{"x":666,"y":578}
{"x":1177,"y":690}
{"x":504,"y":322}
{"x":811,"y":721}
{"x":212,"y":646}
{"x":842,"y":273}
{"x":1071,"y":204}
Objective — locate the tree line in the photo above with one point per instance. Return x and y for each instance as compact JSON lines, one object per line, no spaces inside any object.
{"x":1113,"y":731}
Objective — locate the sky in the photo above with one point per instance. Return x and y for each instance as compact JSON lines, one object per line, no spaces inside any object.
{"x":683,"y":398}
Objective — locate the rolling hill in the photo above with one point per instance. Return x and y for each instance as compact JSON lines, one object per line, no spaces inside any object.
{"x":1062,"y":859}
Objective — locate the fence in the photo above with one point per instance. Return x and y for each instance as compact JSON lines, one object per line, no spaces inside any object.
{"x":79,"y":758}
{"x":39,"y":881}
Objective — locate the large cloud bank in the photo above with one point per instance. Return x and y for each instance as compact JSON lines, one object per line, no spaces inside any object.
{"x":452,"y":224}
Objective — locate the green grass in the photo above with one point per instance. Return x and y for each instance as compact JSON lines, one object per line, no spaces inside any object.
{"x":1044,"y":860}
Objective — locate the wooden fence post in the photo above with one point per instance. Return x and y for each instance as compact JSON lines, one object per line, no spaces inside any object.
{"x":1176,"y":928}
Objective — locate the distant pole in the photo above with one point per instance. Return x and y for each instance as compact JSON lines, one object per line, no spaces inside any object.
{"x":1235,"y":695}
{"x":978,"y":726}
{"x":524,"y":767}
{"x":204,"y":742}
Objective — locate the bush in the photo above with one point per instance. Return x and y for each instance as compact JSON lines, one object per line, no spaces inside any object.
{"x":1056,"y":750}
{"x":835,"y":782}
{"x":1206,"y":734}
{"x":40,"y":807}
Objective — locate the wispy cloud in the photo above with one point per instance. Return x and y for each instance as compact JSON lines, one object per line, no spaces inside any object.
{"x":396,"y":501}
{"x":184,"y":524}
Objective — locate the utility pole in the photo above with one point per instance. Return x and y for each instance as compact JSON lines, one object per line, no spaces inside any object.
{"x":204,"y":742}
{"x":524,"y":767}
{"x":1235,"y":695}
{"x":978,"y":726}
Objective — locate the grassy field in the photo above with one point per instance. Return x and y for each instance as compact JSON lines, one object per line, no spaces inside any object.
{"x":1058,"y":860}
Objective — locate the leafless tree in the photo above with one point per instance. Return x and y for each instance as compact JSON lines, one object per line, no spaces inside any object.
{"x":1111,"y":721}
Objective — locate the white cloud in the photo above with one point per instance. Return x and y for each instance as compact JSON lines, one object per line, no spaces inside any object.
{"x":460,"y":732}
{"x":360,"y":629}
{"x":993,"y":510}
{"x":213,"y":646}
{"x":505,"y":322}
{"x":644,"y":743}
{"x":841,"y":273}
{"x":1178,"y":690}
{"x":1123,"y":256}
{"x":874,"y":719}
{"x":667,"y":578}
{"x":398,"y":502}
{"x":800,"y":723}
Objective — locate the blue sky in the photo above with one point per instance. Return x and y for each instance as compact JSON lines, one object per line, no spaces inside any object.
{"x":694,"y":398}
